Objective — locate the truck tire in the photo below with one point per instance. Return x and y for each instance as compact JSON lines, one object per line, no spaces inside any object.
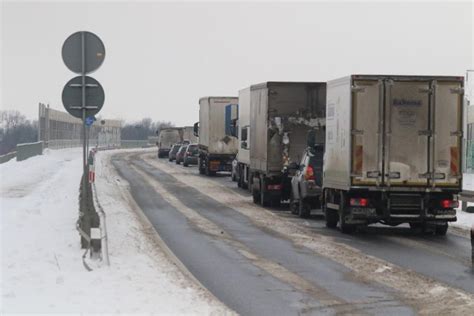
{"x":442,"y":229}
{"x":201,"y":169}
{"x":256,"y":196}
{"x":239,"y":177}
{"x":304,"y":209}
{"x":293,"y":205}
{"x":264,"y":199}
{"x":185,"y":164}
{"x":332,"y":218}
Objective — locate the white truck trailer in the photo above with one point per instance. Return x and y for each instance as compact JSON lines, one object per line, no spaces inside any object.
{"x":243,"y":154}
{"x":393,"y":151}
{"x":216,"y":149}
{"x":281,"y":116}
{"x":167,"y":138}
{"x":188,"y":135}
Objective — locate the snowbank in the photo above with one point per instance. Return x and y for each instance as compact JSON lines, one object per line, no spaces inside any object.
{"x":42,"y":271}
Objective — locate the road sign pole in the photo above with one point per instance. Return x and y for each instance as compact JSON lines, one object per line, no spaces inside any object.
{"x":86,"y":224}
{"x":84,"y":52}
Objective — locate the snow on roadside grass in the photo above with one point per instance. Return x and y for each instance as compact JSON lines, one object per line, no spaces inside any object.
{"x":42,"y":271}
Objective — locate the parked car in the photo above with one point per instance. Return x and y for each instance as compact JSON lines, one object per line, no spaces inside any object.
{"x":191,"y":155}
{"x":174,"y":151}
{"x":180,"y":154}
{"x":306,"y":184}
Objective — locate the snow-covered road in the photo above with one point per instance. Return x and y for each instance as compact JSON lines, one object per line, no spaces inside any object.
{"x":42,"y":271}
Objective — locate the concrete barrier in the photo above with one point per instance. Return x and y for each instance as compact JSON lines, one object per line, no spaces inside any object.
{"x":7,"y":157}
{"x":25,"y":151}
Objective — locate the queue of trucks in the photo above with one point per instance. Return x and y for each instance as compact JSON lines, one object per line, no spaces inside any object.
{"x":364,"y":148}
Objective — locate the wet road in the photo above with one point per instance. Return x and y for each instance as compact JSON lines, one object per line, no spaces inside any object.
{"x":257,"y":271}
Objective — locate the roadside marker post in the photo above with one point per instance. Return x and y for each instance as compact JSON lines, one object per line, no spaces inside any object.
{"x":84,"y":52}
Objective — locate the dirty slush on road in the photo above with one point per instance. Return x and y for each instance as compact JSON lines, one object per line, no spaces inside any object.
{"x":381,"y":286}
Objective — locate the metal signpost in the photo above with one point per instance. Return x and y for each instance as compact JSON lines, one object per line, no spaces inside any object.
{"x":83,"y":52}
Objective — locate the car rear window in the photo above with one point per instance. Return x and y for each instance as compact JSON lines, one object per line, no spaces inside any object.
{"x":193,"y":149}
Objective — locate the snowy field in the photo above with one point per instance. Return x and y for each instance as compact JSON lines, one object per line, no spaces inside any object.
{"x":42,"y":271}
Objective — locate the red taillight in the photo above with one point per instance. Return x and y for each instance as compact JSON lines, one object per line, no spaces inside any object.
{"x":359,"y":202}
{"x":309,"y":173}
{"x":449,"y":204}
{"x":271,"y":187}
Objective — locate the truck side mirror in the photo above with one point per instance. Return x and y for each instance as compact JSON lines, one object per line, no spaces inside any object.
{"x":196,"y":129}
{"x":243,"y":145}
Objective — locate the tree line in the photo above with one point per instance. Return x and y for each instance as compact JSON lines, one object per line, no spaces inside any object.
{"x":15,"y":129}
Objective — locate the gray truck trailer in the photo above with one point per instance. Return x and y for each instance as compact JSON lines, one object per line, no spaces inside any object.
{"x":393,"y":151}
{"x":217,"y":150}
{"x":281,"y":116}
{"x":167,"y":138}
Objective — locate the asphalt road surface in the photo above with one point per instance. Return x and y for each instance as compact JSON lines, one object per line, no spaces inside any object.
{"x":268,"y":262}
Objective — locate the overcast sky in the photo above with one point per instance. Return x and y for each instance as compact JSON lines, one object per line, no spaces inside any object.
{"x":162,"y":57}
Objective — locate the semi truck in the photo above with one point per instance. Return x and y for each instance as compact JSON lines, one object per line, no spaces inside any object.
{"x":217,"y":150}
{"x":243,"y":133}
{"x":281,"y":116}
{"x":393,"y":151}
{"x":167,"y":138}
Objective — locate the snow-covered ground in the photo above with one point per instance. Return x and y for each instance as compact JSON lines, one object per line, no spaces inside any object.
{"x":42,"y":271}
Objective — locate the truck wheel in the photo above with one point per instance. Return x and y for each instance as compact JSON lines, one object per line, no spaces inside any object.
{"x":185,"y":164}
{"x":256,"y":196}
{"x":332,"y":218}
{"x":239,"y":181}
{"x":442,"y":229}
{"x":177,"y":161}
{"x":264,"y":200}
{"x":169,"y":159}
{"x":243,"y":185}
{"x":304,"y":209}
{"x":293,"y":205}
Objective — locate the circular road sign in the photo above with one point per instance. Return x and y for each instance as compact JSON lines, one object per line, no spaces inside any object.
{"x":94,"y":52}
{"x":72,"y":96}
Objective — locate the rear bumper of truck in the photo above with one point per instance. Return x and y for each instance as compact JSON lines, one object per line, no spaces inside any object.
{"x":399,"y":207}
{"x":356,"y":215}
{"x":220,"y":162}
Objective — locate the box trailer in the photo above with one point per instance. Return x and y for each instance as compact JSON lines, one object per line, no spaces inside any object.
{"x":167,"y":138}
{"x":393,"y":151}
{"x":243,"y":126}
{"x":281,"y":116}
{"x":188,"y":135}
{"x":217,"y":150}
